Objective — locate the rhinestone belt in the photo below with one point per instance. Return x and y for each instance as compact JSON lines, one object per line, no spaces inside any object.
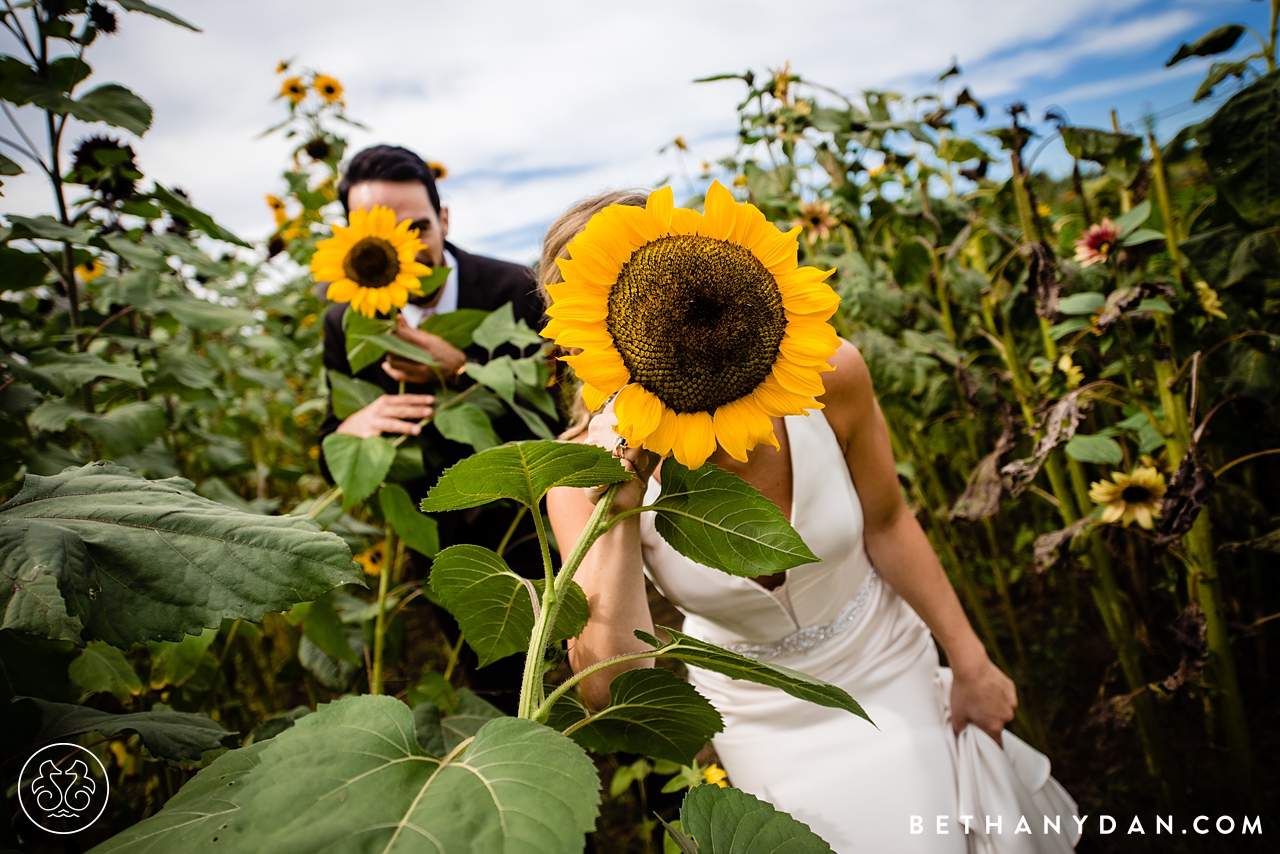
{"x":807,"y":638}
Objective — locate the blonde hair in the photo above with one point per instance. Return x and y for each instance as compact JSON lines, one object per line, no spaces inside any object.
{"x":556,"y":245}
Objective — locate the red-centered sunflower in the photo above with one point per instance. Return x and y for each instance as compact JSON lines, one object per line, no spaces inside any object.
{"x":702,"y":324}
{"x":371,"y":263}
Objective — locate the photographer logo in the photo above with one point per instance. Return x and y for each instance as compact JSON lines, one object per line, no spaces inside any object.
{"x":63,"y":788}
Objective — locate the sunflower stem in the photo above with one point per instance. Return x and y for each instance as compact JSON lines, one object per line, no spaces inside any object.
{"x":531,"y":695}
{"x":380,"y":623}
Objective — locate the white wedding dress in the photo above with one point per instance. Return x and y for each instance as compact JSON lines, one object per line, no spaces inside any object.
{"x":856,"y":785}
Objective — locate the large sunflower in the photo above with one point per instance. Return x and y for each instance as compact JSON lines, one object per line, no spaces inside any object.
{"x":702,"y":324}
{"x":371,"y":263}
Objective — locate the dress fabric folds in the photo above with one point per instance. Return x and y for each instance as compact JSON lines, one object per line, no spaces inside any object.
{"x":862,"y":788}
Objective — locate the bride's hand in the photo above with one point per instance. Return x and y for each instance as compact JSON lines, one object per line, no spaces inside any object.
{"x":636,"y":460}
{"x":984,"y":696}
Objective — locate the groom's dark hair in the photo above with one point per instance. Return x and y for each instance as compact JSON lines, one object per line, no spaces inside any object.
{"x":388,"y":163}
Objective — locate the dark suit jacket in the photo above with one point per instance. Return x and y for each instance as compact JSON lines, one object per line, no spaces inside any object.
{"x":483,"y":283}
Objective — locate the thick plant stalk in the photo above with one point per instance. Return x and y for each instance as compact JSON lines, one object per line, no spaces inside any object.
{"x":531,"y":695}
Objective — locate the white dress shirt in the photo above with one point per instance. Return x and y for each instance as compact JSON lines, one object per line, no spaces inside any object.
{"x":415,"y":314}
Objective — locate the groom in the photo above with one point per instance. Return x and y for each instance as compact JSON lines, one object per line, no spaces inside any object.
{"x":399,"y":179}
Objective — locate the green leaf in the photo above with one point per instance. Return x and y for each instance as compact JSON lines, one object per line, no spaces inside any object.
{"x":675,"y":842}
{"x":126,"y":429}
{"x":492,"y":604}
{"x":1137,"y":215}
{"x":501,"y":327}
{"x":8,"y":166}
{"x":50,"y":229}
{"x":1213,"y":42}
{"x":353,"y":777}
{"x":204,"y":316}
{"x":157,"y":12}
{"x":719,"y":520}
{"x":496,"y":374}
{"x":102,"y":669}
{"x":730,"y":821}
{"x":115,"y":105}
{"x":390,"y":343}
{"x":323,"y":627}
{"x":1142,"y":235}
{"x":416,"y":529}
{"x":45,"y":571}
{"x":468,"y":424}
{"x":471,"y":714}
{"x":201,"y":817}
{"x":361,"y":352}
{"x":407,"y":465}
{"x":536,"y":425}
{"x":456,"y":327}
{"x":699,"y":653}
{"x":1102,"y":450}
{"x":522,"y":471}
{"x":70,"y":371}
{"x":434,"y":280}
{"x":1155,"y":304}
{"x":331,"y":672}
{"x":166,"y":733}
{"x":166,"y":562}
{"x":175,"y":663}
{"x":651,"y":712}
{"x":1066,"y":327}
{"x":1218,"y":72}
{"x":350,"y":394}
{"x":357,"y":465}
{"x":179,"y":206}
{"x":1242,"y":147}
{"x":1088,"y":302}
{"x":21,"y":270}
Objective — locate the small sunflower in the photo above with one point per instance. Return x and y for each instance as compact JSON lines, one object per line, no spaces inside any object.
{"x":277,"y":209}
{"x":371,"y":263}
{"x":816,"y":219}
{"x":294,"y":89}
{"x":702,"y":324}
{"x":328,"y":88}
{"x":437,"y":170}
{"x":1130,"y":497}
{"x":714,"y":775}
{"x":318,"y":148}
{"x":90,"y":270}
{"x":1074,"y":373}
{"x":1098,"y":243}
{"x":372,"y":559}
{"x":282,"y":66}
{"x":1209,"y":301}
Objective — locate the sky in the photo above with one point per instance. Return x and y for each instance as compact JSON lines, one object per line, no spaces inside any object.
{"x":532,"y":106}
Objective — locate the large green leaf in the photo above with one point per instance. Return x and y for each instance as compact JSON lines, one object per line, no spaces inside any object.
{"x":468,"y":424}
{"x":166,"y":733}
{"x":357,"y":465}
{"x":496,"y":374}
{"x":391,"y":344}
{"x":126,"y":429}
{"x":353,"y":777}
{"x":492,"y":605}
{"x":522,"y":471}
{"x":651,"y":711}
{"x":456,"y":327}
{"x":1213,"y":42}
{"x":719,"y":520}
{"x":115,"y":105}
{"x":174,"y":663}
{"x":501,"y":327}
{"x":45,"y":586}
{"x":361,"y":351}
{"x":1095,"y":449}
{"x":21,"y":270}
{"x":699,"y":653}
{"x":156,"y":12}
{"x":1242,"y":148}
{"x":415,"y":528}
{"x":69,"y":371}
{"x":179,"y":206}
{"x":100,"y":668}
{"x":731,"y":821}
{"x":199,"y":817}
{"x":205,"y":316}
{"x":323,"y":627}
{"x":470,"y":714}
{"x":349,"y":394}
{"x":165,"y":562}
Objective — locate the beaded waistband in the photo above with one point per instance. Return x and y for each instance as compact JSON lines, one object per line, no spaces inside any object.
{"x":811,"y":636}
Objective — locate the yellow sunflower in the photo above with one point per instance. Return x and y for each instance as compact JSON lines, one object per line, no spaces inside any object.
{"x":294,"y":89}
{"x":90,"y":270}
{"x":714,"y":775}
{"x":372,"y":559}
{"x":277,"y":209}
{"x":702,"y":324}
{"x":1130,"y":497}
{"x":328,"y":87}
{"x":437,"y":170}
{"x":371,"y":262}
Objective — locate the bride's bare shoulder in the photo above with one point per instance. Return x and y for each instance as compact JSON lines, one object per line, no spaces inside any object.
{"x":849,"y":397}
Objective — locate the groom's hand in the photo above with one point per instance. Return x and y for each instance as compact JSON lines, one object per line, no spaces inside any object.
{"x":448,"y":358}
{"x":391,"y":413}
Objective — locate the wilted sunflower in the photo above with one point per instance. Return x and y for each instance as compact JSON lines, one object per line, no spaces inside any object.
{"x":294,"y":89}
{"x":328,"y":87}
{"x":701,"y":323}
{"x":1130,"y":497}
{"x":105,"y":165}
{"x":371,"y":263}
{"x":89,"y":270}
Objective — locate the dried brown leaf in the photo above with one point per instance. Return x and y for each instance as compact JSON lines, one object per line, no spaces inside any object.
{"x":1060,"y":424}
{"x":1189,"y":489}
{"x":1042,"y":279}
{"x":1048,"y":549}
{"x":981,"y":496}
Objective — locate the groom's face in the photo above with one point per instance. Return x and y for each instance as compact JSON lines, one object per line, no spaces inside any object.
{"x":410,"y":201}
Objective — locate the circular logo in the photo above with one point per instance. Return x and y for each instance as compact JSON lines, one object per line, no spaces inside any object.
{"x":63,"y":788}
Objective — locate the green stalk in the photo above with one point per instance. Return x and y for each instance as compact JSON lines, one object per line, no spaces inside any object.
{"x":380,"y":624}
{"x":531,"y":696}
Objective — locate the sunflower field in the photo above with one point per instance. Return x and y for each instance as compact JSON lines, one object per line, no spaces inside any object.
{"x":1080,"y":374}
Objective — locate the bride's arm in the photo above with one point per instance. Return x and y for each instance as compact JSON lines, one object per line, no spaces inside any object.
{"x":611,"y":574}
{"x":902,"y":554}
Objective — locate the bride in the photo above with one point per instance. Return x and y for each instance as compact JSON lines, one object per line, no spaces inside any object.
{"x":864,"y":618}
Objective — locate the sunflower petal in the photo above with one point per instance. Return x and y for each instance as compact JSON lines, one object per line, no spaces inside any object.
{"x":638,"y":224}
{"x":587,"y":336}
{"x":594,"y":262}
{"x":733,"y":431}
{"x":777,"y":401}
{"x":593,"y":398}
{"x":695,"y":438}
{"x":1112,"y":513}
{"x":721,"y":217}
{"x":603,"y":369}
{"x":809,"y":342}
{"x":685,"y":221}
{"x":639,"y":412}
{"x":661,"y":203}
{"x":797,"y":379}
{"x":341,"y":291}
{"x":663,"y":438}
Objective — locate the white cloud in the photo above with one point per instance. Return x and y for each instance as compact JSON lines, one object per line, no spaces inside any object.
{"x":534,"y":105}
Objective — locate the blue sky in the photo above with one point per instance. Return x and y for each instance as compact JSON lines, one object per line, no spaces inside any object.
{"x":533,"y":106}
